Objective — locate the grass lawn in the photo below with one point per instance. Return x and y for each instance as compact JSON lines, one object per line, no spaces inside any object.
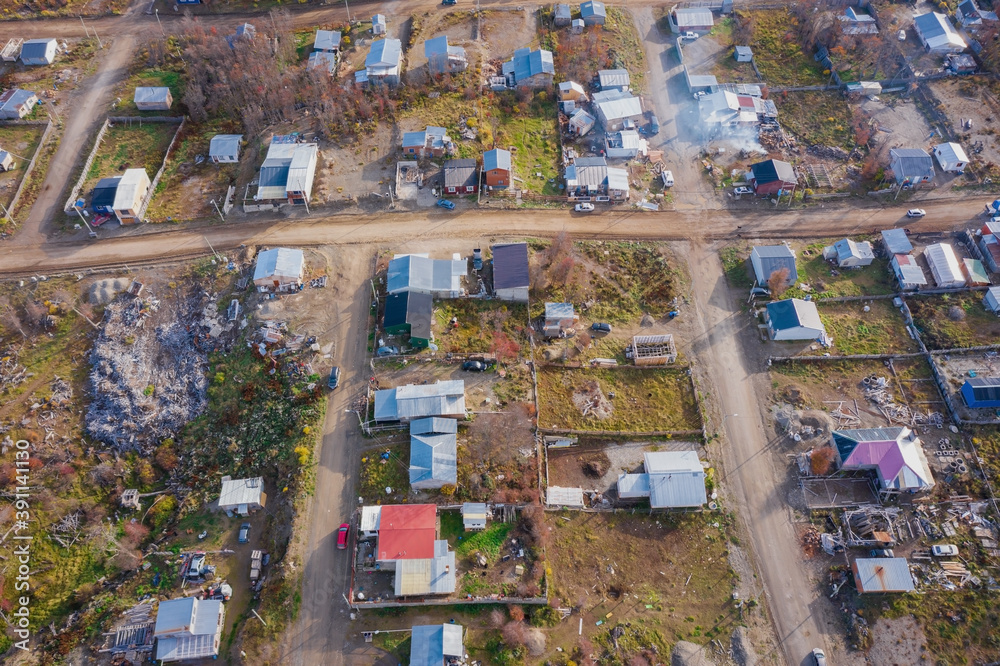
{"x":736,"y":265}
{"x":644,"y":400}
{"x":879,"y":331}
{"x":153,"y":78}
{"x":818,"y":273}
{"x":939,"y":327}
{"x":20,"y":140}
{"x":377,"y":473}
{"x":9,"y":9}
{"x":533,"y":139}
{"x":817,"y":118}
{"x":480,"y":325}
{"x":130,"y":146}
{"x":778,"y":52}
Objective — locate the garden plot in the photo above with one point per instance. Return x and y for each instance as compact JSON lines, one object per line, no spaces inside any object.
{"x":866,"y":327}
{"x":778,"y":51}
{"x":20,"y":140}
{"x":952,"y":321}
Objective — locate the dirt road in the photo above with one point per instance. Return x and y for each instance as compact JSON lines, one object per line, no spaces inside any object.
{"x":750,"y":473}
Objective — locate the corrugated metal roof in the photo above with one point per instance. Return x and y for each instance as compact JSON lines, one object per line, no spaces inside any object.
{"x":370,"y":516}
{"x":613,"y":78}
{"x":460,"y":173}
{"x":407,"y":531}
{"x":496,"y":159}
{"x":937,"y":30}
{"x":510,"y":266}
{"x":433,"y":460}
{"x":559,"y":311}
{"x":241,"y":491}
{"x":433,"y":426}
{"x":414,"y":272}
{"x":693,"y":17}
{"x":847,"y":249}
{"x":771,"y":258}
{"x":430,"y":644}
{"x":625,"y":106}
{"x":384,"y":53}
{"x":34,"y":49}
{"x":950,"y":152}
{"x":526,"y":63}
{"x":631,"y":486}
{"x":151,"y":95}
{"x":770,"y":171}
{"x":792,"y":313}
{"x":896,"y":241}
{"x":323,"y":60}
{"x":327,"y":40}
{"x":882,"y":574}
{"x":911,"y":163}
{"x":944,"y":265}
{"x":474,"y":510}
{"x":225,"y":145}
{"x":592,"y":8}
{"x":984,"y":388}
{"x":416,"y":401}
{"x":133,"y":181}
{"x":427,"y":576}
{"x":617,"y":179}
{"x":907,"y":270}
{"x":557,"y":496}
{"x":279,"y":262}
{"x":175,"y":615}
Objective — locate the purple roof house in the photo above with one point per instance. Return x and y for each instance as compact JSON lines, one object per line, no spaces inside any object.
{"x":894,"y":453}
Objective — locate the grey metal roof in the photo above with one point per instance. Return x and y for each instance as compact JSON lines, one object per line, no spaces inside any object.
{"x":558,"y":496}
{"x":793,"y":312}
{"x":279,"y":262}
{"x":327,"y":40}
{"x":17,"y":97}
{"x":775,"y":257}
{"x":562,"y":11}
{"x":384,"y":53}
{"x":613,"y":78}
{"x":592,"y":8}
{"x":510,"y":266}
{"x":436,"y":46}
{"x":152,"y":94}
{"x":882,"y":574}
{"x":588,"y":172}
{"x":625,"y":106}
{"x":460,"y":173}
{"x":631,"y":486}
{"x":847,"y":248}
{"x":744,"y":50}
{"x":527,"y":63}
{"x":474,"y":509}
{"x":175,"y":615}
{"x":693,"y":17}
{"x":932,"y":24}
{"x":676,"y":479}
{"x":427,"y":576}
{"x":896,"y":241}
{"x":433,"y":460}
{"x":241,"y":491}
{"x":430,"y":644}
{"x":497,"y":158}
{"x":911,"y":163}
{"x":225,"y":145}
{"x":434,"y":426}
{"x":617,"y":179}
{"x":418,"y":401}
{"x":36,"y":48}
{"x":770,"y":171}
{"x":413,"y":272}
{"x":984,"y":388}
{"x":559,"y":311}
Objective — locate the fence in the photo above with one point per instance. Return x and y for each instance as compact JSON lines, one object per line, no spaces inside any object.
{"x":622,"y":433}
{"x":75,"y":192}
{"x":31,"y":164}
{"x":159,"y":174}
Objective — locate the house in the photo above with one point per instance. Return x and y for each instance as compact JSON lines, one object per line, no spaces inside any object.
{"x":981,"y":392}
{"x":856,"y":22}
{"x":944,"y":265}
{"x":242,"y":496}
{"x":968,"y":14}
{"x":327,"y":41}
{"x":7,"y":162}
{"x":577,"y":26}
{"x":529,"y":69}
{"x":559,"y":318}
{"x":593,"y":13}
{"x":590,"y":178}
{"x":436,"y":645}
{"x":440,"y":278}
{"x":461,"y":177}
{"x":572,"y":91}
{"x":16,"y":103}
{"x":625,"y":144}
{"x":990,"y":247}
{"x":443,"y":58}
{"x":794,"y":319}
{"x":581,"y":122}
{"x":616,"y":110}
{"x":408,"y":545}
{"x":497,"y":168}
{"x":156,"y":98}
{"x":907,"y":272}
{"x":694,"y":19}
{"x":895,"y":241}
{"x":705,"y":83}
{"x":911,"y":166}
{"x":378,"y":24}
{"x":937,"y":34}
{"x":474,"y":516}
{"x":672,"y":480}
{"x":382,"y":63}
{"x":613,"y":79}
{"x":409,"y":313}
{"x":279,"y":269}
{"x":766,"y":259}
{"x":849,"y":254}
{"x":960,"y":63}
{"x":39,"y":51}
{"x":951,"y":157}
{"x":974,"y":273}
{"x":429,"y":142}
{"x":992,"y":300}
{"x":188,"y":628}
{"x":129,"y":195}
{"x":288,"y":171}
{"x":405,"y":403}
{"x":510,"y":272}
{"x":225,"y":148}
{"x":102,"y":199}
{"x":561,"y":15}
{"x":433,"y":453}
{"x":730,"y":109}
{"x":743,"y":54}
{"x":647,"y":350}
{"x":773,"y":177}
{"x":894,"y":454}
{"x":323,"y":60}
{"x":879,"y":575}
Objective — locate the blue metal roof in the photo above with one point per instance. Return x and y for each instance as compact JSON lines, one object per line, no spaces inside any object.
{"x":496,"y":159}
{"x":433,"y":460}
{"x":385,"y":53}
{"x":430,"y":644}
{"x":592,"y":9}
{"x":527,"y":63}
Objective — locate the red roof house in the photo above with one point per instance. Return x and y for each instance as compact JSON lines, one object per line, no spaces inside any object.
{"x":407,"y":532}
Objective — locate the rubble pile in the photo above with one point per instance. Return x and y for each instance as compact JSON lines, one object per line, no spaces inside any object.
{"x":877,"y":392}
{"x":146,"y":382}
{"x":12,"y":373}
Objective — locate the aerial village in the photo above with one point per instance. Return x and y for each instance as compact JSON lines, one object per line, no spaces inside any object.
{"x":558,"y":334}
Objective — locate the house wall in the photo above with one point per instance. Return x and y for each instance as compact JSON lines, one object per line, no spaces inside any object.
{"x":773,"y":187}
{"x":516,"y":294}
{"x":797,"y":333}
{"x":498,"y":178}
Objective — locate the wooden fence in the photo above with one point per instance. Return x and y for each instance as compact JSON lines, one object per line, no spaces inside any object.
{"x":31,"y":164}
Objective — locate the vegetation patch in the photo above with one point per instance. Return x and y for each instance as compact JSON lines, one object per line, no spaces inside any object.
{"x":825,"y":280}
{"x":615,"y":45}
{"x":20,"y":140}
{"x":950,"y":321}
{"x":778,"y":50}
{"x":135,"y":145}
{"x":379,"y":472}
{"x":880,"y":330}
{"x":817,"y":117}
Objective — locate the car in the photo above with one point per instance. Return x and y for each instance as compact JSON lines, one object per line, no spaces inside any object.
{"x":449,"y":2}
{"x":901,"y":35}
{"x":668,"y":178}
{"x":819,"y":657}
{"x":444,"y":203}
{"x":342,"y":532}
{"x":386,"y":351}
{"x":244,"y":532}
{"x":654,"y":123}
{"x":600,"y":328}
{"x":474,"y":366}
{"x":698,"y":95}
{"x":742,"y":190}
{"x":584,"y":208}
{"x":881,"y":552}
{"x":916,"y":212}
{"x":334,"y":381}
{"x":944,"y":550}
{"x":690,"y":34}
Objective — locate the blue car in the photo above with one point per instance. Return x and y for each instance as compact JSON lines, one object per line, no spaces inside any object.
{"x":444,"y":203}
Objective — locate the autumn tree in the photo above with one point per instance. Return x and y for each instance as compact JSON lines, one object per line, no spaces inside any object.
{"x":821,"y":461}
{"x":779,"y":281}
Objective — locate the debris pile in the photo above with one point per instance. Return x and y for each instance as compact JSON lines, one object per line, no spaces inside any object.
{"x":146,"y":382}
{"x":811,"y":542}
{"x":590,"y":400}
{"x":12,"y":373}
{"x":877,"y":392}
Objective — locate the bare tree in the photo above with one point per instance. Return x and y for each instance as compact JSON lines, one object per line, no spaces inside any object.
{"x":778,"y":282}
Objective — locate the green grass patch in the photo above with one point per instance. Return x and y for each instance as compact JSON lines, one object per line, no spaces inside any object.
{"x":827,"y":281}
{"x":377,"y":473}
{"x":778,"y":51}
{"x":396,"y":643}
{"x":488,"y":541}
{"x":736,"y":265}
{"x":881,"y":330}
{"x":20,"y":140}
{"x":481,"y":324}
{"x":130,"y":146}
{"x":950,"y":321}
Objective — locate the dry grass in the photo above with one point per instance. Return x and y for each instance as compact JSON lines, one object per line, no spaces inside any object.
{"x":939,"y":330}
{"x":881,"y":330}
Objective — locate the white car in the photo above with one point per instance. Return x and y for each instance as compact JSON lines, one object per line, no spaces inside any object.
{"x":916,"y":212}
{"x":742,"y":190}
{"x":944,"y":550}
{"x":690,"y":35}
{"x":819,"y":657}
{"x":668,"y":178}
{"x":584,"y":208}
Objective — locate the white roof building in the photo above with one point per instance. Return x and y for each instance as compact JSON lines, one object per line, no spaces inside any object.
{"x":242,"y":495}
{"x":937,"y":34}
{"x":672,"y":480}
{"x":951,"y":157}
{"x":188,"y":628}
{"x":907,"y":271}
{"x":288,"y":170}
{"x":944,"y":265}
{"x":131,"y":192}
{"x":278,"y":268}
{"x":225,"y":148}
{"x":413,"y":401}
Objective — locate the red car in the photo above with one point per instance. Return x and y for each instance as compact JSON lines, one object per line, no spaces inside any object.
{"x":342,"y":533}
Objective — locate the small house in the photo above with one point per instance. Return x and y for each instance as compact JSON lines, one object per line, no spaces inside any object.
{"x":854,"y":21}
{"x":908,"y":273}
{"x":616,"y":109}
{"x":937,"y":34}
{"x":766,"y":259}
{"x":561,"y":15}
{"x":625,"y":144}
{"x":441,"y":57}
{"x":433,"y":453}
{"x":911,"y":166}
{"x":895,"y":241}
{"x":981,"y":392}
{"x":461,"y":177}
{"x":969,"y":14}
{"x":572,"y":91}
{"x":530,"y":69}
{"x":849,"y":254}
{"x":279,"y":269}
{"x":429,"y":142}
{"x":11,"y":51}
{"x":772,"y":177}
{"x":510,"y":272}
{"x":944,"y":265}
{"x":559,"y":318}
{"x":408,"y":545}
{"x":951,"y":157}
{"x":155,"y":98}
{"x":288,"y":171}
{"x":382,"y":63}
{"x":242,"y":496}
{"x":879,"y":575}
{"x":410,"y":313}
{"x":794,"y":319}
{"x":497,"y":168}
{"x":894,"y":454}
{"x":474,"y":516}
{"x":378,"y":24}
{"x":647,"y":350}
{"x":419,"y":401}
{"x":7,"y":162}
{"x":613,"y":79}
{"x":577,"y":26}
{"x":16,"y":103}
{"x":323,"y":61}
{"x":990,"y":247}
{"x":960,"y":63}
{"x":129,"y":196}
{"x":671,"y":480}
{"x":327,"y":41}
{"x":991,"y":300}
{"x":102,"y":199}
{"x":591,"y":179}
{"x":581,"y":123}
{"x":743,"y":54}
{"x":188,"y":628}
{"x":440,"y":278}
{"x":974,"y":273}
{"x":593,"y":13}
{"x":39,"y":51}
{"x":225,"y":148}
{"x":692,"y":19}
{"x":436,"y":645}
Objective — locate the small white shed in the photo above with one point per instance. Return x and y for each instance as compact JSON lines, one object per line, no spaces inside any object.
{"x":951,"y":157}
{"x":743,"y":54}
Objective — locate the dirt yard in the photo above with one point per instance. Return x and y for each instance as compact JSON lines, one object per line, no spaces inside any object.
{"x":901,"y":123}
{"x":959,"y":367}
{"x":596,"y":465}
{"x":972,"y":99}
{"x":954,"y":320}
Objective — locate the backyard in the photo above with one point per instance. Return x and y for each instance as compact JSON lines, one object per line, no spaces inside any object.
{"x":780,"y":57}
{"x":22,"y":141}
{"x":612,"y":46}
{"x":825,"y":280}
{"x":878,"y":330}
{"x":130,"y":146}
{"x":951,"y":321}
{"x":817,"y":118}
{"x":153,"y":78}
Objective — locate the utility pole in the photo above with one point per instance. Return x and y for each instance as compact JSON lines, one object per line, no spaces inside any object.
{"x":347,"y":7}
{"x":6,"y":213}
{"x":221,"y":217}
{"x":92,"y":233}
{"x":157,"y":10}
{"x":85,"y":31}
{"x":98,"y":39}
{"x":217,"y":256}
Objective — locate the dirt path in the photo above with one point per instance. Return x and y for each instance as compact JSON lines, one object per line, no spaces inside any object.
{"x":751,"y":477}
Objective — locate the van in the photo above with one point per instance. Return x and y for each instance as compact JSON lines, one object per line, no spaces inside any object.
{"x":654,"y":123}
{"x":668,"y":178}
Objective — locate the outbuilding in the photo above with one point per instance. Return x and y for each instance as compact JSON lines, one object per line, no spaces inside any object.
{"x":992,"y":300}
{"x":279,"y":269}
{"x":39,"y":51}
{"x":743,"y":54}
{"x":794,"y":319}
{"x":766,"y":259}
{"x":510,"y":272}
{"x":944,"y":265}
{"x":562,"y":15}
{"x":153,"y":98}
{"x":474,"y":516}
{"x":614,"y":79}
{"x":593,"y":13}
{"x":559,"y":318}
{"x":882,"y":574}
{"x":981,"y":392}
{"x":225,"y":148}
{"x":951,"y":157}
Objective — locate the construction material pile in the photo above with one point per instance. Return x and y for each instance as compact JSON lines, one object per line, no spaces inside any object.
{"x":147,"y":382}
{"x":12,"y":373}
{"x":878,"y":393}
